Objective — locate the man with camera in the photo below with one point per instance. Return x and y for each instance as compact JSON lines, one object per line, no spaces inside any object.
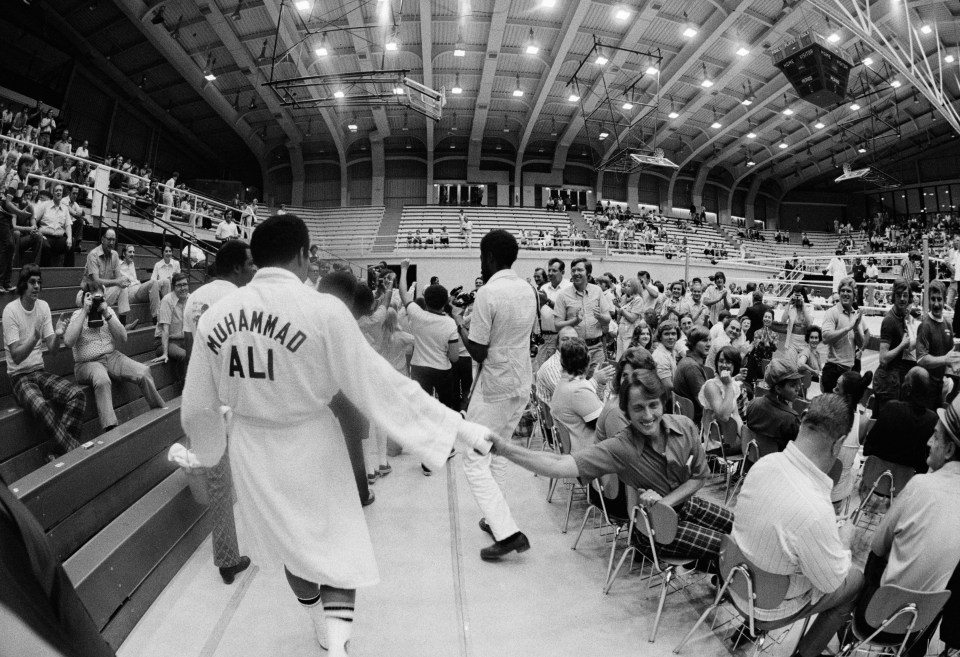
{"x":103,"y":266}
{"x":93,"y":332}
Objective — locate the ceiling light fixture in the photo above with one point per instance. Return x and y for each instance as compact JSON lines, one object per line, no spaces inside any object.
{"x":862,"y":149}
{"x":628,"y":106}
{"x":868,"y":61}
{"x":926,"y":29}
{"x":532,"y":47}
{"x":743,"y":52}
{"x":652,"y":70}
{"x":673,"y":110}
{"x":854,"y":107}
{"x":819,"y":125}
{"x":706,"y":83}
{"x":548,"y":4}
{"x":321,"y":49}
{"x":601,"y":60}
{"x":895,"y":84}
{"x":716,"y":125}
{"x":622,"y":14}
{"x":399,"y":91}
{"x":302,"y":5}
{"x":338,"y":94}
{"x":209,"y":76}
{"x":573,"y":98}
{"x":949,"y":59}
{"x":459,"y":50}
{"x":689,"y":29}
{"x":518,"y":92}
{"x":751,"y":163}
{"x":783,"y":142}
{"x":673,"y":115}
{"x":352,"y":127}
{"x":457,"y":89}
{"x":393,"y":43}
{"x":834,"y":35}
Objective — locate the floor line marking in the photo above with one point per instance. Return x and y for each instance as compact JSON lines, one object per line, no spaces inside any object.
{"x":456,"y":559}
{"x":213,"y":641}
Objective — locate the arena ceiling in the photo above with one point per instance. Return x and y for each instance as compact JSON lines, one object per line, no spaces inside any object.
{"x":208,"y":62}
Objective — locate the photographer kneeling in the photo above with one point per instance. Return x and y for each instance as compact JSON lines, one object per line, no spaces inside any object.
{"x":94,"y":332}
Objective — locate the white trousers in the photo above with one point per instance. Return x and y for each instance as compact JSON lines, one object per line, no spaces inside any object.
{"x":487,"y":474}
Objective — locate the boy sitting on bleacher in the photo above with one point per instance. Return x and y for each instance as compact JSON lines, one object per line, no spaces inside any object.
{"x":27,"y":325}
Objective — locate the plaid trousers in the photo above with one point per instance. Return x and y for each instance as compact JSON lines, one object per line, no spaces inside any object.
{"x":226,"y":552}
{"x":42,"y":394}
{"x":700,"y":531}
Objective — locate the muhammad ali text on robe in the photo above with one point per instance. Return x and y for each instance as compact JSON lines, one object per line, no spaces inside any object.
{"x":261,"y":323}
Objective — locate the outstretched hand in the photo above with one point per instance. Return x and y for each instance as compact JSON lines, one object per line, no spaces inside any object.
{"x":499,"y":444}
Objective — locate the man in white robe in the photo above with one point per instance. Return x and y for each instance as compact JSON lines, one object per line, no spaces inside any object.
{"x":267,"y":360}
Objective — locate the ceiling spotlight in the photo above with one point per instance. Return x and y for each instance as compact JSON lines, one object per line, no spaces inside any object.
{"x":392,"y":44}
{"x":751,"y":135}
{"x":518,"y":92}
{"x":868,"y":61}
{"x":854,"y":107}
{"x":548,"y":4}
{"x":716,"y":125}
{"x":782,"y":145}
{"x":601,"y":60}
{"x":706,"y":83}
{"x":628,"y":106}
{"x":895,"y":84}
{"x":652,"y":70}
{"x":689,"y":29}
{"x":746,"y":101}
{"x":926,"y":29}
{"x":457,"y":89}
{"x":459,"y":52}
{"x":788,"y":112}
{"x":862,"y":150}
{"x":673,"y":115}
{"x":949,"y":59}
{"x":622,"y":14}
{"x":321,"y":49}
{"x":604,"y":135}
{"x":819,"y":125}
{"x":573,"y":98}
{"x":751,"y":163}
{"x":833,"y":38}
{"x":743,"y":52}
{"x":399,"y":91}
{"x":532,"y":47}
{"x":209,"y":76}
{"x":338,"y":94}
{"x":302,"y":5}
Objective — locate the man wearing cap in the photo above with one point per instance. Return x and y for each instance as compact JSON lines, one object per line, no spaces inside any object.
{"x":915,"y":546}
{"x":771,"y":416}
{"x":786,"y":525}
{"x":935,"y":344}
{"x":843,"y":332}
{"x":715,"y":297}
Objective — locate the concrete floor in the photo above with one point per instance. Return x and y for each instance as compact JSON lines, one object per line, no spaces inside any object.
{"x":436,"y":596}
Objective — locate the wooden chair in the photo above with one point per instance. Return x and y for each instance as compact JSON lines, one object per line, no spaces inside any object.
{"x":683,"y":406}
{"x":896,"y":613}
{"x":750,"y":588}
{"x":659,"y":525}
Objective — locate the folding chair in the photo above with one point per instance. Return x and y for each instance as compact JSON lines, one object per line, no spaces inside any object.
{"x":865,"y":428}
{"x":800,"y":405}
{"x":727,"y":434}
{"x":607,"y":519}
{"x":885,"y":479}
{"x":751,"y":454}
{"x":896,"y":613}
{"x":683,"y":406}
{"x":563,"y":439}
{"x":758,"y":589}
{"x":659,"y":525}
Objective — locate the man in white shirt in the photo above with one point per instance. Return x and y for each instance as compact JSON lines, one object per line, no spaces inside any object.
{"x":234,"y":267}
{"x":138,"y":292}
{"x":168,"y":188}
{"x":295,"y":486}
{"x":648,"y":292}
{"x":549,"y":291}
{"x":504,"y":313}
{"x":83,"y":150}
{"x":786,"y":525}
{"x":227,"y":229}
{"x":837,"y":270}
{"x":27,"y":327}
{"x":164,"y":269}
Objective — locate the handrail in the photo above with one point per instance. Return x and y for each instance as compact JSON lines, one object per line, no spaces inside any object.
{"x":99,"y":166}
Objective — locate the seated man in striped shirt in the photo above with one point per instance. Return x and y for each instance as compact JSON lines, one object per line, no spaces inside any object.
{"x":786,"y":525}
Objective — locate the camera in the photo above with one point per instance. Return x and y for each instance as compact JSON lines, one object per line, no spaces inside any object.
{"x":95,"y":316}
{"x":461,"y":299}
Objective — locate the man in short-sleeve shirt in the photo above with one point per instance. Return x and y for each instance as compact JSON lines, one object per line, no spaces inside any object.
{"x":585,"y":307}
{"x":504,"y":314}
{"x":103,"y":265}
{"x":935,"y":343}
{"x":895,"y":343}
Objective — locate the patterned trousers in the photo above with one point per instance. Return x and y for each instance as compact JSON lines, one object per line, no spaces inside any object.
{"x":701,"y":528}
{"x":226,"y":552}
{"x":42,"y":394}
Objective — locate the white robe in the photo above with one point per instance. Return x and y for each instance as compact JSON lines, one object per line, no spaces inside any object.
{"x":276,"y":355}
